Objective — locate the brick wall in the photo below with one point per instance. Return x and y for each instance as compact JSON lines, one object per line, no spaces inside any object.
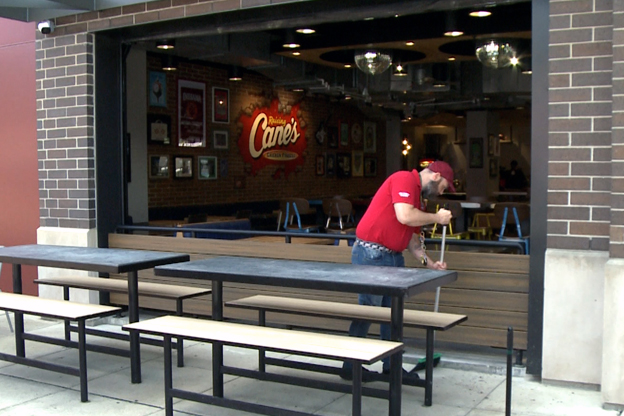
{"x":255,"y":91}
{"x":616,"y":246}
{"x":580,"y":119}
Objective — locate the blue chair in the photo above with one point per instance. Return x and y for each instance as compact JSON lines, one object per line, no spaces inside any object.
{"x":295,"y":208}
{"x":513,"y":214}
{"x":339,"y":212}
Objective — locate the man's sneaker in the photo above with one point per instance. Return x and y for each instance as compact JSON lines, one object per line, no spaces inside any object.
{"x":408,"y":377}
{"x":367,"y":375}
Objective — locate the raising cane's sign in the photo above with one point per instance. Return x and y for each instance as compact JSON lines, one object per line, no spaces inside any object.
{"x":271,"y":137}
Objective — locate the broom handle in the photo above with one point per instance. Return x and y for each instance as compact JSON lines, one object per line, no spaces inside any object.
{"x":437,"y":297}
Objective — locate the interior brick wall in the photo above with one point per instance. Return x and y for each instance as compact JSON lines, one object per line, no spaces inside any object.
{"x":581,"y":80}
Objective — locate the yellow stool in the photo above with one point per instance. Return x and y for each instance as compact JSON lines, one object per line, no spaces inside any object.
{"x":478,"y":228}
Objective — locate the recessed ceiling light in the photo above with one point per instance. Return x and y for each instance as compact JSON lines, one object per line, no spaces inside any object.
{"x":454,"y":33}
{"x":480,"y":13}
{"x":306,"y":31}
{"x":409,"y":43}
{"x":451,"y":58}
{"x":527,"y":72}
{"x":347,"y":66}
{"x":298,"y":89}
{"x":296,"y":53}
{"x":291,"y":45}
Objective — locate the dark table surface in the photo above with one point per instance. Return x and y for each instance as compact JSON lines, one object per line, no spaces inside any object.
{"x":392,"y":281}
{"x":104,"y":260}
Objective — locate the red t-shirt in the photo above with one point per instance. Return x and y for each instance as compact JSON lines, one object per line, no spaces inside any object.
{"x":379,"y":224}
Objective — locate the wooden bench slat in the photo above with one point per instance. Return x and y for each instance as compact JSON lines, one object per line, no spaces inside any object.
{"x":364,"y":350}
{"x":418,"y":319}
{"x":52,"y":308}
{"x":121,"y":286}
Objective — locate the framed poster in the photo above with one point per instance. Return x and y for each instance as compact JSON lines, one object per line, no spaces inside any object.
{"x":356,"y":134}
{"x":357,"y":163}
{"x":493,"y":145}
{"x":332,"y":136}
{"x":343,"y":165}
{"x":183,"y":166}
{"x":158,"y":129}
{"x":370,"y":166}
{"x":191,"y":114}
{"x":370,"y":137}
{"x":157,"y":89}
{"x":220,"y":105}
{"x":344,"y":134}
{"x":207,"y":167}
{"x":330,"y":165}
{"x":220,"y":139}
{"x":320,"y":165}
{"x":158,"y":166}
{"x":475,"y":160}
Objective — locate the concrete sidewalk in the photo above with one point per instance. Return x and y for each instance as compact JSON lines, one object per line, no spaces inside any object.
{"x":463,"y":385}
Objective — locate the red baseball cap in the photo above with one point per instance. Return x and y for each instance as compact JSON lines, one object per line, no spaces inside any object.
{"x":445,"y":170}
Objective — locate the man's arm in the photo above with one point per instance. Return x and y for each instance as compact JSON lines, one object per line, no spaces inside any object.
{"x":409,"y":215}
{"x":417,"y":251}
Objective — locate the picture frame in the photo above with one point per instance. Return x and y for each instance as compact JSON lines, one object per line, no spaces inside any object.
{"x":475,"y":159}
{"x":320,"y":165}
{"x":343,"y":165}
{"x":207,"y":167}
{"x":157,"y":89}
{"x":220,"y":105}
{"x":370,"y":137}
{"x":330,"y":165}
{"x":493,"y":145}
{"x":332,"y":137}
{"x":183,"y":166}
{"x":493,"y":167}
{"x":158,"y":129}
{"x":158,"y":166}
{"x":357,"y":163}
{"x":370,"y":166}
{"x":221,"y":139}
{"x":191,"y":114}
{"x":344,"y":134}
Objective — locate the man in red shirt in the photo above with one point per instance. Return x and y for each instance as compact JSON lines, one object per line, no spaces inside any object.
{"x":392,"y":224}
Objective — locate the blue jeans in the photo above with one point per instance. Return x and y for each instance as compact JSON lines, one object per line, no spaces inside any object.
{"x":372,"y":257}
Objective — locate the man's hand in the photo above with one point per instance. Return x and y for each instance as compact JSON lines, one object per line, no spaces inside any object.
{"x":437,"y":265}
{"x":443,"y":216}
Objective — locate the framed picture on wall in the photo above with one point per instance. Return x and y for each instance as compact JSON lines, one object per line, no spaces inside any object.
{"x":344,"y":134}
{"x":493,"y":145}
{"x":183,"y":166}
{"x":157,"y":89}
{"x":475,"y":156}
{"x":158,"y":129}
{"x":220,"y":139}
{"x":220,"y":105}
{"x":207,"y":167}
{"x":357,"y":163}
{"x":370,"y":137}
{"x":158,"y":166}
{"x":320,"y":165}
{"x":191,"y":114}
{"x":370,"y":166}
{"x":332,"y":136}
{"x":330,"y":164}
{"x":343,"y":165}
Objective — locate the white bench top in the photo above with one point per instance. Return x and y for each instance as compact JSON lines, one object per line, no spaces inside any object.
{"x":52,"y":308}
{"x":307,"y":343}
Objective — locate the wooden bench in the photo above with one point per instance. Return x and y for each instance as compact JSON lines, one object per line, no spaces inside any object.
{"x":336,"y":347}
{"x":156,"y":290}
{"x":429,"y":321}
{"x":491,"y":288}
{"x":57,"y":309}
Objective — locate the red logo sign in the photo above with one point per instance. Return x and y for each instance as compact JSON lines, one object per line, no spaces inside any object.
{"x":270,"y":137}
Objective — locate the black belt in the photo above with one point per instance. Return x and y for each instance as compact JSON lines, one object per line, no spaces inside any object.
{"x":374,"y":246}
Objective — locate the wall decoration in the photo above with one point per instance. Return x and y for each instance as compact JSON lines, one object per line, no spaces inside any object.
{"x":330,"y":165}
{"x":343,"y":165}
{"x":191,"y":114}
{"x":332,"y":136}
{"x":356,"y":133}
{"x":493,"y":145}
{"x":321,"y":133}
{"x":183,"y":166}
{"x":370,"y":166}
{"x":344,"y":134}
{"x":493,"y":167}
{"x":475,"y":160}
{"x":220,"y":139}
{"x":207,"y":167}
{"x":157,"y":89}
{"x":320,"y":165}
{"x":370,"y":137}
{"x":357,"y":161}
{"x":220,"y":105}
{"x":158,"y":166}
{"x":158,"y":129}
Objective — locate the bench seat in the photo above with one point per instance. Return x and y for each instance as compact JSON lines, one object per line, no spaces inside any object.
{"x":336,"y":347}
{"x":56,"y":309}
{"x":430,"y":321}
{"x":157,"y":290}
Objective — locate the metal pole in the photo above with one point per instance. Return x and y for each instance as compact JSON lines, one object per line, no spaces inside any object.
{"x":509,"y":372}
{"x":437,"y":297}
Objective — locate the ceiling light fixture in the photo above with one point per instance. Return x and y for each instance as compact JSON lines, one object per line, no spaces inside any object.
{"x":399,"y":71}
{"x":409,"y":43}
{"x":306,"y":31}
{"x":480,"y":13}
{"x":372,"y":62}
{"x":289,"y":40}
{"x":453,"y":33}
{"x":296,"y":53}
{"x":450,"y":28}
{"x":169,"y":63}
{"x":494,"y":54}
{"x":235,"y":73}
{"x":165,"y":44}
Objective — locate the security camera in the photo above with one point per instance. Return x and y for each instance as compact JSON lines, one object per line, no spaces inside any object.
{"x":46,"y":27}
